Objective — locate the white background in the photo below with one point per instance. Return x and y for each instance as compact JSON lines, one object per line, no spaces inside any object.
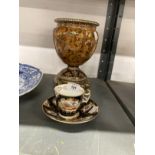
{"x":48,"y":61}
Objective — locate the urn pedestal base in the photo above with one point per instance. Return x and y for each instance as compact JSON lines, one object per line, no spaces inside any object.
{"x":73,"y":74}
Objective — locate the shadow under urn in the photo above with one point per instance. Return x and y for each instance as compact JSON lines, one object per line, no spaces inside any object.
{"x":75,"y":41}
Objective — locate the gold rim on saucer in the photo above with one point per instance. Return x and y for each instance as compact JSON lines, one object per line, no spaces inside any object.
{"x":50,"y":110}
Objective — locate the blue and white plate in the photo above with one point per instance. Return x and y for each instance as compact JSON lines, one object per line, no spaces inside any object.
{"x":29,"y":78}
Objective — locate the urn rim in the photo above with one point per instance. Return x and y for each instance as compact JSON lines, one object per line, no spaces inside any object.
{"x":72,"y":20}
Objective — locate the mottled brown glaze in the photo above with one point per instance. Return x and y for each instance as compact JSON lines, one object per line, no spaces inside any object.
{"x":75,"y":40}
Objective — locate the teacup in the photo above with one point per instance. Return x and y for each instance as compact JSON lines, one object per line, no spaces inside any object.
{"x":69,"y":98}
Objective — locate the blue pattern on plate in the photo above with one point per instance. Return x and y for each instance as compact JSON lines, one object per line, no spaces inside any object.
{"x":29,"y":78}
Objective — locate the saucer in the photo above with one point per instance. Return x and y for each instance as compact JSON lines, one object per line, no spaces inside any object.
{"x":29,"y":78}
{"x":85,"y":114}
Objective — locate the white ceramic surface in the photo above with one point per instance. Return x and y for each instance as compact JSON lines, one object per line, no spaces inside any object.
{"x":69,"y":90}
{"x":29,"y":78}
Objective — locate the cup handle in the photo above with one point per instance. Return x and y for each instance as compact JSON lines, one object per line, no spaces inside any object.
{"x":57,"y":98}
{"x":86,"y":96}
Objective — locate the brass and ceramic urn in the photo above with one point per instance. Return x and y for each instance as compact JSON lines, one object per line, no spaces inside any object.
{"x":75,"y":41}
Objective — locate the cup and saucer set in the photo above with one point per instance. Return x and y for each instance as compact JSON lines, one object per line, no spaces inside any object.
{"x":70,"y":105}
